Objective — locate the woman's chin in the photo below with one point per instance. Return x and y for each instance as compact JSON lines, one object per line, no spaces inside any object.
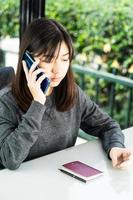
{"x":54,"y":84}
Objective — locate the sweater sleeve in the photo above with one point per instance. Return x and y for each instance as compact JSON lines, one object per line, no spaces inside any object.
{"x":16,"y":141}
{"x":98,"y":123}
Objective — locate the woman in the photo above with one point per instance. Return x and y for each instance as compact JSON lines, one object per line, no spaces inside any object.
{"x":34,"y":123}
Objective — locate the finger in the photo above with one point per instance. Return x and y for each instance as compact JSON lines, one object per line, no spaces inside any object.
{"x":124,"y":164}
{"x":38,"y":71}
{"x":40,"y":79}
{"x":114,"y":160}
{"x":36,"y":74}
{"x":25,"y":69}
{"x":127,"y":155}
{"x":33,"y":67}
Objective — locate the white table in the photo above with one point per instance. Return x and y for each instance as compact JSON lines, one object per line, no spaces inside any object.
{"x":40,"y":179}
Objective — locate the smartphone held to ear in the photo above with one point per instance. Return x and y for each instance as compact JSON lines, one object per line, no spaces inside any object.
{"x":29,"y":61}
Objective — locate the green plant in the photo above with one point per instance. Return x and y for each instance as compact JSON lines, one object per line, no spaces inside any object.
{"x":9,"y":18}
{"x":100,"y":29}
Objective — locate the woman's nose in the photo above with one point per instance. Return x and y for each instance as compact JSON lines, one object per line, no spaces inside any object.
{"x":56,"y":68}
{"x":54,"y":71}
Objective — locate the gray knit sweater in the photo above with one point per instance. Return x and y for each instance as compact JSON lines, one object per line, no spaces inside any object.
{"x":43,"y":129}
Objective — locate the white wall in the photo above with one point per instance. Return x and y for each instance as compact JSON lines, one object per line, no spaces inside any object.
{"x":10,"y":46}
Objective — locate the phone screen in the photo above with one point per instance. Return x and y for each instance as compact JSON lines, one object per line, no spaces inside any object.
{"x":29,"y":61}
{"x":82,"y":169}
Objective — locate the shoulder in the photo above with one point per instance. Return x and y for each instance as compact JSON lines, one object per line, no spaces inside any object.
{"x":84,"y":103}
{"x":79,"y":90}
{"x":5,"y":91}
{"x":6,"y":95}
{"x":7,"y":102}
{"x":82,"y":97}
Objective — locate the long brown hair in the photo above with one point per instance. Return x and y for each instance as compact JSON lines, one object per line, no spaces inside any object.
{"x":40,"y":37}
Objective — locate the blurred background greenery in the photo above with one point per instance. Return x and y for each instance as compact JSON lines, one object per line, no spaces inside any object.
{"x":102,"y":33}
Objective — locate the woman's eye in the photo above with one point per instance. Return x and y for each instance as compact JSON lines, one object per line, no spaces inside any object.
{"x":65,"y":60}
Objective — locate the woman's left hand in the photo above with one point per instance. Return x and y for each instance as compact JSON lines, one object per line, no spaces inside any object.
{"x":121,"y":157}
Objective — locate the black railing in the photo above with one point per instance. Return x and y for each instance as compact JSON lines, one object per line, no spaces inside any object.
{"x":113,"y":79}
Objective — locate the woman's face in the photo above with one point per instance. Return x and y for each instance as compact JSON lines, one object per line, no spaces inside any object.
{"x":58,"y":66}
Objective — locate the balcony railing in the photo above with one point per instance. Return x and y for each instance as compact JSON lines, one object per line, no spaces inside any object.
{"x":126,"y":82}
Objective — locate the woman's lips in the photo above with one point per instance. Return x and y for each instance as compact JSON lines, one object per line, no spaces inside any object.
{"x":56,"y":79}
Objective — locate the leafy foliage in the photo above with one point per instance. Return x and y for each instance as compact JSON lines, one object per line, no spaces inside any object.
{"x":9,"y":18}
{"x":101,"y":30}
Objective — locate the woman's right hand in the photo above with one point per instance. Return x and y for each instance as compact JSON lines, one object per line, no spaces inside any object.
{"x":33,"y":84}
